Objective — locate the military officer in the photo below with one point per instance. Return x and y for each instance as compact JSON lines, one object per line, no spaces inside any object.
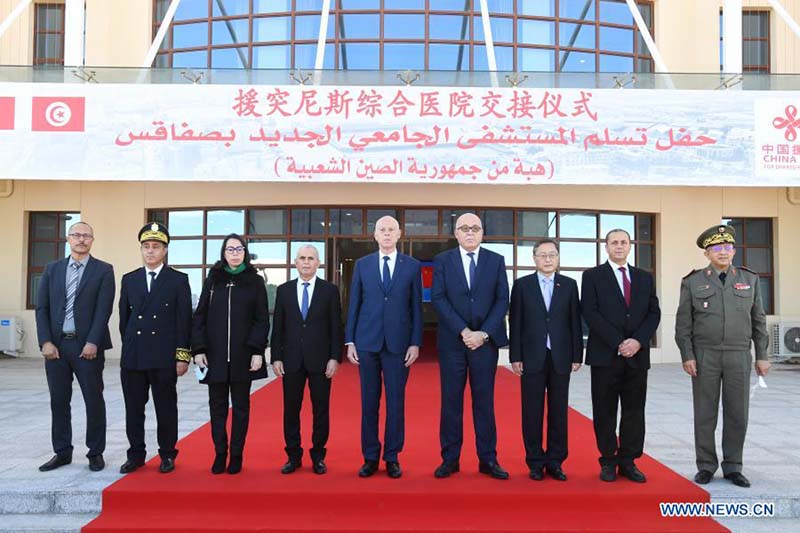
{"x":155,"y":321}
{"x":719,"y":315}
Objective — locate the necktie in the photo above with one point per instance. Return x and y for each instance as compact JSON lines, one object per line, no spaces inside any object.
{"x":472,"y":268}
{"x":548,"y":292}
{"x":387,"y":276}
{"x":722,"y":276}
{"x":626,"y":286}
{"x":152,"y":280}
{"x":304,"y":304}
{"x":72,"y":288}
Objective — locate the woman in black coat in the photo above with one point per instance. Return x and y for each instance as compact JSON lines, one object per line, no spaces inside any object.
{"x":229,"y":338}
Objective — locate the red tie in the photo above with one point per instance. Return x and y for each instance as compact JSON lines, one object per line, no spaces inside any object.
{"x":626,"y":286}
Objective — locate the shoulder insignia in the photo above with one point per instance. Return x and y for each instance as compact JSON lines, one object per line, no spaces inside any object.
{"x":690,"y":273}
{"x":747,"y":270}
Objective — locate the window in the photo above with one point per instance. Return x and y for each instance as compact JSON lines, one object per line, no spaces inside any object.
{"x":48,"y":35}
{"x":47,"y":242}
{"x":754,"y":251}
{"x":755,"y":42}
{"x":530,"y":35}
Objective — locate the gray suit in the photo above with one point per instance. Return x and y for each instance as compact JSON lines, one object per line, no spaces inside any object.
{"x":715,"y":325}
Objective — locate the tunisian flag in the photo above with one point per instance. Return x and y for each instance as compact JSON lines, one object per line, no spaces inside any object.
{"x":6,"y":112}
{"x":52,"y":113}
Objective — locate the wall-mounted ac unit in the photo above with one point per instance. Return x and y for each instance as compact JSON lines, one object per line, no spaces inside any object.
{"x":786,"y":340}
{"x":11,"y":335}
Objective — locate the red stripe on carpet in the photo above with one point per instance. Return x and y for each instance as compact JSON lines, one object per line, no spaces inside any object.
{"x":261,"y":499}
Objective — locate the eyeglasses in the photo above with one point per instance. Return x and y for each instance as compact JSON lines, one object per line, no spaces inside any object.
{"x":551,"y":255}
{"x":235,"y":249}
{"x":82,"y":236}
{"x":467,"y":229}
{"x":720,"y":247}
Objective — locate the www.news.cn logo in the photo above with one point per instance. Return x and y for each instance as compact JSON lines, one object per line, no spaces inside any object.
{"x":717,"y":510}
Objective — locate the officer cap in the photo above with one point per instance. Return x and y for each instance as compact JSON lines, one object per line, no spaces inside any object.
{"x":154,"y":231}
{"x":720,"y":234}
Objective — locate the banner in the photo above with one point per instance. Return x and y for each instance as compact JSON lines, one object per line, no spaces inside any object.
{"x":398,"y":134}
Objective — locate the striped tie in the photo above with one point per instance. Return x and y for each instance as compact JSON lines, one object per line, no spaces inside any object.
{"x":72,"y":288}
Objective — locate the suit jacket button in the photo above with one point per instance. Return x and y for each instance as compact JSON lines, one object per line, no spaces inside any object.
{"x":140,"y":317}
{"x":154,"y":333}
{"x":386,"y":298}
{"x":547,"y":319}
{"x":304,"y":325}
{"x":628,"y":315}
{"x":138,"y":332}
{"x":154,"y":316}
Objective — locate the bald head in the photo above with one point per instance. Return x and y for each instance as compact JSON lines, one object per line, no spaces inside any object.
{"x":469,"y":231}
{"x":387,"y":233}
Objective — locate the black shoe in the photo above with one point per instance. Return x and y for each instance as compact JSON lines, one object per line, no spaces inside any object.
{"x":368,"y":468}
{"x":393,"y":469}
{"x":219,"y":463}
{"x":537,"y":473}
{"x":167,"y":465}
{"x":130,"y":465}
{"x":492,"y":469}
{"x":703,"y":477}
{"x":290,"y":466}
{"x":96,"y":463}
{"x":555,"y":472}
{"x":738,"y":479}
{"x":320,"y":467}
{"x":445,"y":469}
{"x":608,"y":473}
{"x":632,"y":473}
{"x":55,"y":462}
{"x":235,"y":464}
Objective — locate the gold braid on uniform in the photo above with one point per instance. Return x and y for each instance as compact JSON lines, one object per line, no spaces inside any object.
{"x":183,"y":355}
{"x":718,"y":238}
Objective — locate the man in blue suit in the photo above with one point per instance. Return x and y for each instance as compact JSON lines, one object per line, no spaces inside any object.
{"x":546,"y":345}
{"x":470,"y":294}
{"x":383,"y":337}
{"x":73,"y":306}
{"x":155,"y":322}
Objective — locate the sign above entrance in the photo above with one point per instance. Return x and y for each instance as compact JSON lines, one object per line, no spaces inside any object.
{"x":398,"y":135}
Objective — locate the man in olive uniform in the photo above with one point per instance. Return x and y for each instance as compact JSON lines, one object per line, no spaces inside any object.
{"x":719,"y":315}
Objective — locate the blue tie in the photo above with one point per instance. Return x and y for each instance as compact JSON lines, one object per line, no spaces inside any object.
{"x":304,"y":305}
{"x":387,"y":276}
{"x":472,"y":268}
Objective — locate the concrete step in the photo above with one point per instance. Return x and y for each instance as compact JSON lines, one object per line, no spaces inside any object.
{"x":50,"y":523}
{"x":43,"y":502}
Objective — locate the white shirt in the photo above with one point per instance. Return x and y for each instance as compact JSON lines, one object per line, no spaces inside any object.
{"x":615,"y":267}
{"x":300,"y":282}
{"x":465,"y":260}
{"x":150,"y":278}
{"x":392,"y":261}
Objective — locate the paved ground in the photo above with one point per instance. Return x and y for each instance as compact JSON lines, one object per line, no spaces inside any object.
{"x":69,"y":497}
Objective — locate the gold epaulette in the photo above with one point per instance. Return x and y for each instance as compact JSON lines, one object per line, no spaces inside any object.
{"x":183,"y":355}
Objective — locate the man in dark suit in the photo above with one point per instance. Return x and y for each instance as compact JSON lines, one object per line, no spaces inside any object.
{"x":383,"y":336}
{"x":470,"y":294}
{"x":620,"y":305}
{"x":74,"y":303}
{"x":546,"y":343}
{"x":155,"y":322}
{"x":306,"y":346}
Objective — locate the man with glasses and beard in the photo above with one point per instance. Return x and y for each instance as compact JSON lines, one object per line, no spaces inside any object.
{"x":719,"y":317}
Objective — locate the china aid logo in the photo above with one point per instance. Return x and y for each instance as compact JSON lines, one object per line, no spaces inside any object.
{"x":52,"y":113}
{"x":6,"y":112}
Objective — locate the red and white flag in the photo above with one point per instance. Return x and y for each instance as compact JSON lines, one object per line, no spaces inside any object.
{"x":58,"y":113}
{"x":6,"y":112}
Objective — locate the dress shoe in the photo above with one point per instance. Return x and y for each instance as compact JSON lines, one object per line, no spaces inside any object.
{"x":445,"y":469}
{"x":632,"y":473}
{"x":393,"y":469}
{"x":219,"y":463}
{"x":235,"y":464}
{"x":130,"y":465}
{"x":55,"y":462}
{"x":291,"y":466}
{"x":96,"y":463}
{"x":608,"y":473}
{"x":703,"y":477}
{"x":492,"y":469}
{"x":556,"y":472}
{"x":167,"y":465}
{"x":537,"y":473}
{"x":738,"y":479}
{"x":320,"y":467}
{"x":368,"y":468}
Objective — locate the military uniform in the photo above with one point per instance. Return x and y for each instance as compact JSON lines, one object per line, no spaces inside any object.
{"x":155,"y":319}
{"x":717,"y":319}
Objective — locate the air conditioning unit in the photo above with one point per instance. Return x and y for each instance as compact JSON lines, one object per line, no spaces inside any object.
{"x":11,"y":335}
{"x":786,"y":340}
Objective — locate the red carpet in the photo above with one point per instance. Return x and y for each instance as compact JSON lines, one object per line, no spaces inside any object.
{"x":261,"y":499}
